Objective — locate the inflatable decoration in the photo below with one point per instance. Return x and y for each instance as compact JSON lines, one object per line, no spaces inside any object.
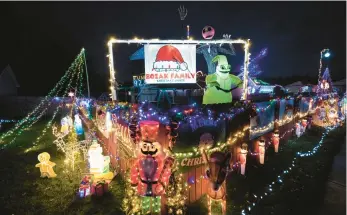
{"x":261,"y":145}
{"x":219,"y":84}
{"x":243,"y":158}
{"x":276,"y":140}
{"x":208,"y":32}
{"x":152,"y":168}
{"x":45,"y":165}
{"x":206,"y":141}
{"x":78,"y":125}
{"x":298,"y":129}
{"x":65,"y":125}
{"x":218,"y":168}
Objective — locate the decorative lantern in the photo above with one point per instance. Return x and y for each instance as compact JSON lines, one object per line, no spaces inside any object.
{"x":261,"y":145}
{"x":96,"y":159}
{"x":276,"y":140}
{"x":243,"y":157}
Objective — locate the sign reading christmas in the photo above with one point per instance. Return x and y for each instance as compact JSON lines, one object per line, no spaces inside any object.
{"x":170,"y":64}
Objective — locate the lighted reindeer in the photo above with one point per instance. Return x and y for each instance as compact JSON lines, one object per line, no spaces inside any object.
{"x":218,"y":167}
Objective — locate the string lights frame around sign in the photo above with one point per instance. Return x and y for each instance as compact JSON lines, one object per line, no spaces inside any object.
{"x":113,"y":81}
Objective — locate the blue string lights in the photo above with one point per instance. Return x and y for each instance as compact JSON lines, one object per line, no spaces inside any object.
{"x":280,"y":177}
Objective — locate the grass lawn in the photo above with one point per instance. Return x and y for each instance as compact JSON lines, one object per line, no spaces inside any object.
{"x":24,"y":192}
{"x":302,"y":190}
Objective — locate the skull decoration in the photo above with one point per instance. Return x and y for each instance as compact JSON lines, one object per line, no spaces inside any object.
{"x":208,"y":32}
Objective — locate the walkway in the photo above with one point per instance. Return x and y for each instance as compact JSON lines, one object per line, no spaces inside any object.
{"x":335,"y":198}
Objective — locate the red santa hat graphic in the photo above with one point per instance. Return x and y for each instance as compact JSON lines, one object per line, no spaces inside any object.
{"x":169,"y":58}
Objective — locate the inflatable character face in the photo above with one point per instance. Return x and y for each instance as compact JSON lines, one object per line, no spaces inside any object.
{"x":206,"y":141}
{"x":152,"y":149}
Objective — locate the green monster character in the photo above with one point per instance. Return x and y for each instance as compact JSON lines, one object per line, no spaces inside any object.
{"x":219,"y":84}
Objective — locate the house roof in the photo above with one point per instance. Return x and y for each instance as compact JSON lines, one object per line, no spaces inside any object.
{"x":8,"y":70}
{"x":340,"y":82}
{"x":295,"y":84}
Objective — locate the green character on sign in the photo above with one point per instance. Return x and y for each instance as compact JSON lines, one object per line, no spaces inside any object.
{"x":221,"y":83}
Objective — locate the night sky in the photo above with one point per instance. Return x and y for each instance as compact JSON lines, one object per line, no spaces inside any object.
{"x":40,"y":39}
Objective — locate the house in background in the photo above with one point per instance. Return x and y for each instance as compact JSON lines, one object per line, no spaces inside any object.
{"x":340,"y":85}
{"x":8,"y":82}
{"x":294,"y":87}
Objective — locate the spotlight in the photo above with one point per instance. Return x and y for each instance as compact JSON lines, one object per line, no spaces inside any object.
{"x":327,"y":54}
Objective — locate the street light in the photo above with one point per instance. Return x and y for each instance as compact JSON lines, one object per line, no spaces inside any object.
{"x":327,"y":54}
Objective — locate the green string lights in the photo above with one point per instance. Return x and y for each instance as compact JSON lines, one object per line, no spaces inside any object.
{"x":45,"y":103}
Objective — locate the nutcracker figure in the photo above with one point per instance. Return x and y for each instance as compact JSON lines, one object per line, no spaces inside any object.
{"x":261,"y":145}
{"x":276,"y":140}
{"x":152,"y":168}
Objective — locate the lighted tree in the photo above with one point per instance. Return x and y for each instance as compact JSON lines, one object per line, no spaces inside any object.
{"x":176,"y":198}
{"x":72,"y":150}
{"x":131,"y":202}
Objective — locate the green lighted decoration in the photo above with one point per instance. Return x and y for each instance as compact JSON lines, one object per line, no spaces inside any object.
{"x":219,"y":84}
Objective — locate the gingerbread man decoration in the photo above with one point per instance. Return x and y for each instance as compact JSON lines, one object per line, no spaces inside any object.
{"x":46,"y":166}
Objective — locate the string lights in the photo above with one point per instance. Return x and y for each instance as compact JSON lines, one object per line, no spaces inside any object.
{"x":280,"y":177}
{"x":26,"y":121}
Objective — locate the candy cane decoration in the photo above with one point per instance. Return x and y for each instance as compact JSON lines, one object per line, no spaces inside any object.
{"x":261,"y":145}
{"x":243,"y":158}
{"x":276,"y":140}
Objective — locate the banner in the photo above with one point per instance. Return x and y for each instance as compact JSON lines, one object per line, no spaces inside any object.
{"x":170,"y":64}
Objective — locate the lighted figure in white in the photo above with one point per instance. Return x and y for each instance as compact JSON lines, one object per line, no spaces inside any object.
{"x":96,"y":159}
{"x":78,"y":125}
{"x":276,"y":140}
{"x":45,"y":165}
{"x":298,"y":129}
{"x":108,"y":122}
{"x":261,"y":145}
{"x":152,"y":168}
{"x":64,"y":125}
{"x":221,"y":83}
{"x":243,"y":158}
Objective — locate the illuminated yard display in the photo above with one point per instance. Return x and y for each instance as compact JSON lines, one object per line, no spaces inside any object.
{"x":172,"y":61}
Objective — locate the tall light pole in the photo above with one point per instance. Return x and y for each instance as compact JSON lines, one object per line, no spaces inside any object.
{"x":85,"y":64}
{"x":324,"y":54}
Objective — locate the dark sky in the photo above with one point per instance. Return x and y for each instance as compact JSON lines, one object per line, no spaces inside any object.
{"x":40,"y":39}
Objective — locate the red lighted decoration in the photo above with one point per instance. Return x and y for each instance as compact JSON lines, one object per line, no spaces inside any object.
{"x":152,"y":168}
{"x":276,"y":140}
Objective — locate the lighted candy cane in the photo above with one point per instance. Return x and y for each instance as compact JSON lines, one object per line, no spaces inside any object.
{"x":243,"y":158}
{"x":261,"y":144}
